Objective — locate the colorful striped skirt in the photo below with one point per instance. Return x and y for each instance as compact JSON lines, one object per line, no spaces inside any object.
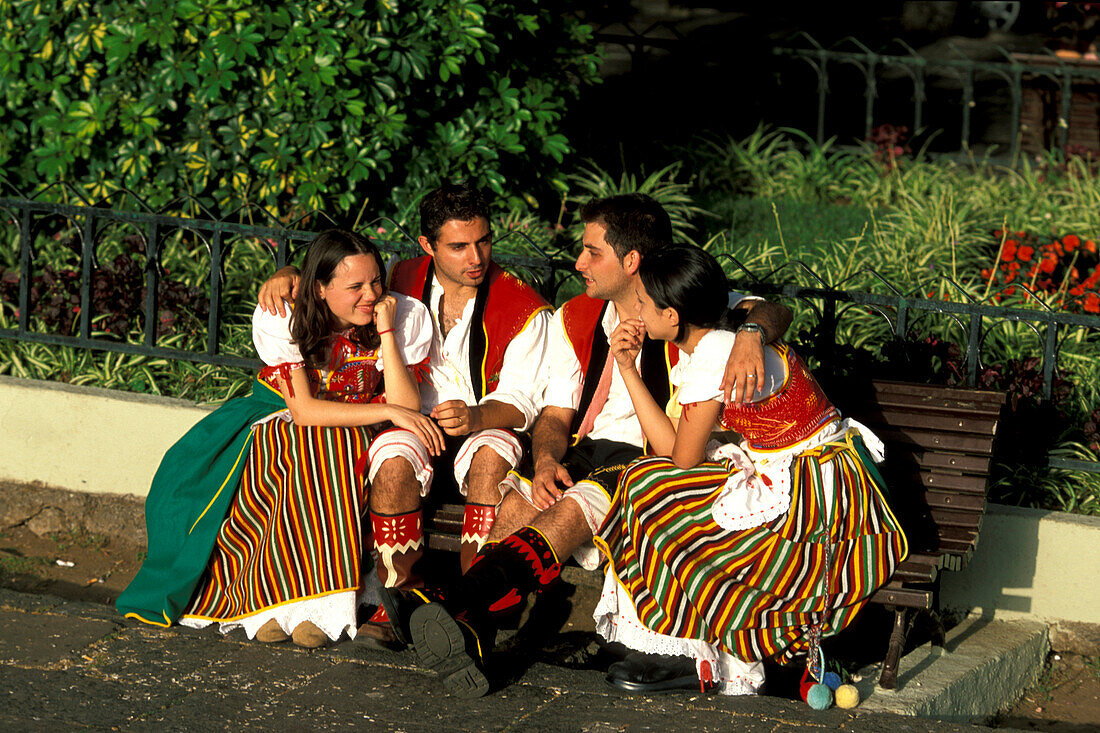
{"x":290,"y":547}
{"x":754,"y":592}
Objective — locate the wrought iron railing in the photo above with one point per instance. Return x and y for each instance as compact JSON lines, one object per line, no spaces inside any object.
{"x":90,"y":223}
{"x":973,"y":321}
{"x":830,"y":302}
{"x":1009,"y":69}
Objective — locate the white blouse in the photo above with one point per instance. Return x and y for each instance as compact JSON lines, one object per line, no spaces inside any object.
{"x":412,"y":327}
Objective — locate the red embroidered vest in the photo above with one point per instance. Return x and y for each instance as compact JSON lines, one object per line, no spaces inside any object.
{"x":503,"y":306}
{"x":582,"y":319}
{"x":796,"y":412}
{"x":350,"y":376}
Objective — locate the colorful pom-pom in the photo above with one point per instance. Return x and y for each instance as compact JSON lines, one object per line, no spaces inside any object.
{"x":820,"y":697}
{"x":832,"y":680}
{"x":847,"y":696}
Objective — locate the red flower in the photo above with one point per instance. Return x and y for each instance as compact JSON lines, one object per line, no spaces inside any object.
{"x":1071,"y":241}
{"x":1090,"y":246}
{"x":986,"y":273}
{"x":1008,"y":254}
{"x":1010,"y":290}
{"x":1077,"y":291}
{"x":1092,"y":303}
{"x":1025,"y":252}
{"x":1048,"y":264}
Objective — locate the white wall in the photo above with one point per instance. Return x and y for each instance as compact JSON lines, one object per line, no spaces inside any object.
{"x":1031,"y":564}
{"x":87,"y":439}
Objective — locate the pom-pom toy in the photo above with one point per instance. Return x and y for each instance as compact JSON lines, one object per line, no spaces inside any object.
{"x":847,"y":696}
{"x":831,"y":680}
{"x":820,"y":697}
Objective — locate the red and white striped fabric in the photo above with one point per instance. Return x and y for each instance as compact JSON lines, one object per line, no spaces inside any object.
{"x":401,"y":443}
{"x":503,"y":442}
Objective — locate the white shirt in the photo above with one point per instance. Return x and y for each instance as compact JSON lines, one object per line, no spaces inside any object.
{"x":449,"y":365}
{"x":699,"y":374}
{"x":275,"y":346}
{"x":563,"y":382}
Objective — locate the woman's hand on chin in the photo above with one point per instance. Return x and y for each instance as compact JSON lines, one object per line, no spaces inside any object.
{"x":626,"y":341}
{"x":385,"y":313}
{"x":420,"y":425}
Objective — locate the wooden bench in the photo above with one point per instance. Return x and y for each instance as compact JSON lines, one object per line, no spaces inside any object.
{"x":939,"y":445}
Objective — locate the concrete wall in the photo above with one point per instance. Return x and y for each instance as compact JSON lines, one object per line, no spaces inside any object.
{"x":1034,"y":565}
{"x":87,"y":439}
{"x":1029,"y":564}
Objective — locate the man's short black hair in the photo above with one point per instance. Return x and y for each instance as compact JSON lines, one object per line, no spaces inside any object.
{"x":634,"y":221}
{"x":459,"y":201}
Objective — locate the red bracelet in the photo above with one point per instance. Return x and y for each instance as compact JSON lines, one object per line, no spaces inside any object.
{"x":388,"y":330}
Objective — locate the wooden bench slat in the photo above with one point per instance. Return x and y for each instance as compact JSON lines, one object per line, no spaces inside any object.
{"x":915,"y":573}
{"x":969,"y":485}
{"x":940,"y":422}
{"x":445,"y":542}
{"x":957,"y":518}
{"x":883,"y":387}
{"x":938,"y":441}
{"x":954,"y":500}
{"x":965,"y":464}
{"x":930,"y":406}
{"x":893,"y":594}
{"x":440,"y":525}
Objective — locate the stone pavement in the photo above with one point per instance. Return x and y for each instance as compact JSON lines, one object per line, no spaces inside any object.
{"x":71,"y":665}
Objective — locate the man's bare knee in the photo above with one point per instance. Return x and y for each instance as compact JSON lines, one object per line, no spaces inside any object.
{"x":487,"y":470}
{"x":514,"y":512}
{"x":564,"y":526}
{"x":394,"y":489}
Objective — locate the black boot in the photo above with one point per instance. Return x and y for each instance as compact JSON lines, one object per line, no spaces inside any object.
{"x":452,"y":648}
{"x":504,"y":573}
{"x":455,"y":635}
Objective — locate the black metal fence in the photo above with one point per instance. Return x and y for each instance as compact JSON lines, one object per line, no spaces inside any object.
{"x":1051,"y":101}
{"x":905,"y":316}
{"x":34,"y":220}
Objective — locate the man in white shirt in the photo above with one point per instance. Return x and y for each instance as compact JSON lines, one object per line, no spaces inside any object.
{"x":586,"y":433}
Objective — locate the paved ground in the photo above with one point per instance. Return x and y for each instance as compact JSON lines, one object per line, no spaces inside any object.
{"x":75,"y":665}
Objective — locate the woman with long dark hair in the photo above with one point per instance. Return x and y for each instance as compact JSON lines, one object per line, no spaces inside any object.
{"x":254,"y":515}
{"x":724,"y":554}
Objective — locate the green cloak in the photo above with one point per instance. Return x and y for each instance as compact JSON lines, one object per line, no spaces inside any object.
{"x":188,"y":500}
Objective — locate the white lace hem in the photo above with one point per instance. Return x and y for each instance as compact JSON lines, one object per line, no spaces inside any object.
{"x":334,"y":614}
{"x":617,"y":620}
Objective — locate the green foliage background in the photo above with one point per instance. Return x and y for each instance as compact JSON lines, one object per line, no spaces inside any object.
{"x":332,"y":105}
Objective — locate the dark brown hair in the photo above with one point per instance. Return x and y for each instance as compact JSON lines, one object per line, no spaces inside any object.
{"x":312,"y":322}
{"x":459,"y":201}
{"x":634,"y":222}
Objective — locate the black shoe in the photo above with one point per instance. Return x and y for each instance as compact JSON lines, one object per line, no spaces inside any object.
{"x":451,"y":648}
{"x":645,"y":673}
{"x":400,"y":604}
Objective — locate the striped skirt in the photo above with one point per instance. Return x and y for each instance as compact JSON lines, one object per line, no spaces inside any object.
{"x":290,"y":547}
{"x":754,"y":592}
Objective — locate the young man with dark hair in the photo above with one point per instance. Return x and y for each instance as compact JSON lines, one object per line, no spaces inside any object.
{"x":585,"y":435}
{"x":490,"y":335}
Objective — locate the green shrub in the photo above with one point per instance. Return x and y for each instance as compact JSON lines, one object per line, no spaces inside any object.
{"x":334,"y":106}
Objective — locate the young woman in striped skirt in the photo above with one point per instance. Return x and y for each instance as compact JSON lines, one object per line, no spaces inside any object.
{"x":254,"y":515}
{"x":721,"y":554}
